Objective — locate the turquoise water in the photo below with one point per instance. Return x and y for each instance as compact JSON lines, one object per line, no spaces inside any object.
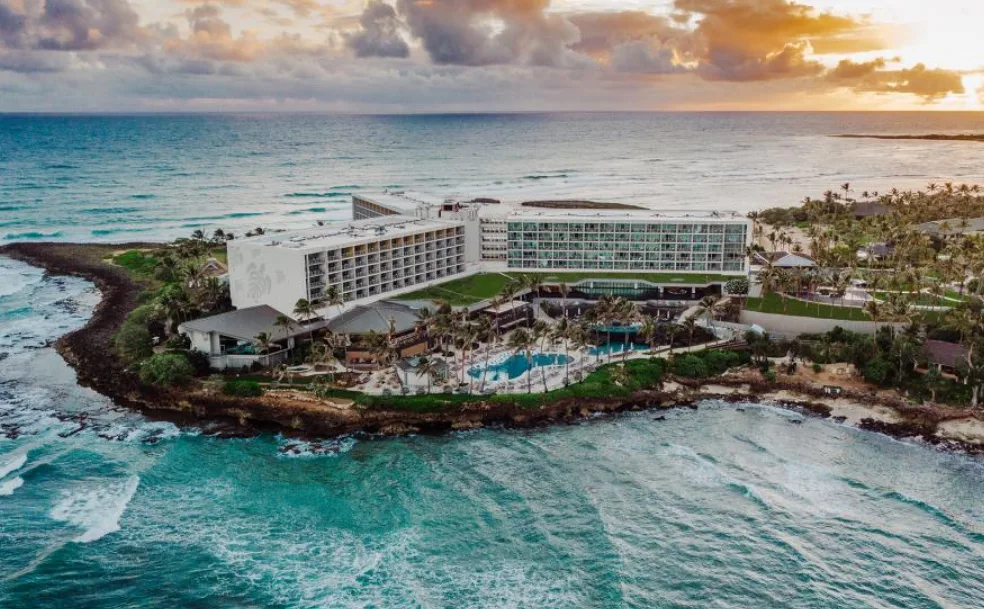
{"x":613,"y":348}
{"x":105,"y":509}
{"x":516,"y":366}
{"x":714,"y":508}
{"x":630,"y":329}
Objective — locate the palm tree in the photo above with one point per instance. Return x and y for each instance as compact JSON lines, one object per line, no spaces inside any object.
{"x":429,"y":367}
{"x":467,"y":335}
{"x":564,"y":290}
{"x":671,"y":332}
{"x":284,"y":324}
{"x":213,"y":293}
{"x":690,"y":325}
{"x":333,"y":298}
{"x":533,"y":283}
{"x":264,"y":342}
{"x":649,"y":331}
{"x":321,"y":353}
{"x":487,"y":333}
{"x":425,"y":317}
{"x":627,"y":313}
{"x":578,"y":338}
{"x":194,"y":274}
{"x":561,"y":333}
{"x":522,"y":341}
{"x":305,"y":311}
{"x":541,"y":332}
{"x":708,"y":308}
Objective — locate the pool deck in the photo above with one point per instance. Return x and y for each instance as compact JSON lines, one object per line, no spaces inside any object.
{"x":582,"y":364}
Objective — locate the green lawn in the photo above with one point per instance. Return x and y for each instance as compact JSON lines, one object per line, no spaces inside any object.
{"x":139,"y":264}
{"x":773,"y":303}
{"x":954,"y":295}
{"x":463,"y":292}
{"x":923,"y":300}
{"x":470,"y":290}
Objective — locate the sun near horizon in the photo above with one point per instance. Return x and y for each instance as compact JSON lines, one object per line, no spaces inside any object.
{"x":395,"y":56}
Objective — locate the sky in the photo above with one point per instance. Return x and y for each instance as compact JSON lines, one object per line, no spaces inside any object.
{"x":381,"y":56}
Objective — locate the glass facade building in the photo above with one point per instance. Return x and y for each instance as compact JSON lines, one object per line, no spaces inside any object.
{"x":624,"y":244}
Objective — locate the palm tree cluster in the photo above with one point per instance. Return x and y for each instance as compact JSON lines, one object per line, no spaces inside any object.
{"x":916,"y":263}
{"x":919,"y":268}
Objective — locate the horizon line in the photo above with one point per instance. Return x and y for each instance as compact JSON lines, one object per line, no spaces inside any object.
{"x":4,"y":113}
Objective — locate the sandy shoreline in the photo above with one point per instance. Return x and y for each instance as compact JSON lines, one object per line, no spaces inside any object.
{"x":89,"y":351}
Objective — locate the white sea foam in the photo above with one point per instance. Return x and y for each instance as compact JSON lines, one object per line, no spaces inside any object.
{"x":7,"y":488}
{"x":321,"y":448}
{"x":12,"y":463}
{"x":97,"y":510}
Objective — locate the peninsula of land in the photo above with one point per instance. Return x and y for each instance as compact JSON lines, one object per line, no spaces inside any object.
{"x":933,"y":137}
{"x":297,"y":411}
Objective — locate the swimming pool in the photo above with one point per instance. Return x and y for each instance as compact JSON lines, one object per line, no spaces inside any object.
{"x":613,"y":348}
{"x":618,"y":329}
{"x":508,"y":367}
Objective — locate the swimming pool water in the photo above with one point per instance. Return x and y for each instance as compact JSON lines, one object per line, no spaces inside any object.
{"x":612,"y":348}
{"x":516,"y":365}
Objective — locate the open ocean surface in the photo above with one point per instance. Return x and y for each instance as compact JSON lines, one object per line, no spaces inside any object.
{"x":714,"y":508}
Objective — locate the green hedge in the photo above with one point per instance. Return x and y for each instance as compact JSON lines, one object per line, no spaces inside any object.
{"x":242,"y":389}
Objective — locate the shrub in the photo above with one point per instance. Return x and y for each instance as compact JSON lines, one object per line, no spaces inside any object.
{"x":166,"y":370}
{"x":769,"y":375}
{"x":243,"y":389}
{"x":817,"y":368}
{"x":178,"y":342}
{"x":690,"y":366}
{"x":199,"y":361}
{"x":737,"y":287}
{"x":878,"y":371}
{"x":718,"y":362}
{"x":133,"y":343}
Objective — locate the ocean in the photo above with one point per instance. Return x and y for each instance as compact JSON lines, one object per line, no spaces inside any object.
{"x":719,"y":507}
{"x":111,"y":178}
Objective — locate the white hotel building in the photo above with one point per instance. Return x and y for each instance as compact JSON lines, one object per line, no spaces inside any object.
{"x":399,"y":242}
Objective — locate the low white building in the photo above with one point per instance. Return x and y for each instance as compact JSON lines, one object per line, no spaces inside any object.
{"x":229,"y":339}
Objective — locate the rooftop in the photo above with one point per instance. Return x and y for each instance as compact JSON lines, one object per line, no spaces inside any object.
{"x":245,"y":324}
{"x":409,"y":202}
{"x":406,"y":201}
{"x":382,"y":317}
{"x":784,"y":259}
{"x":943,"y":353}
{"x":952,"y":226}
{"x":516,"y":212}
{"x":346,"y":233}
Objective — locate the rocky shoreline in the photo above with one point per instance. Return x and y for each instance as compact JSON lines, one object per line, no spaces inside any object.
{"x":89,"y":351}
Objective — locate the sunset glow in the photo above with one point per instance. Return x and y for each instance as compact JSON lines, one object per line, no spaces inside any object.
{"x":477,"y":55}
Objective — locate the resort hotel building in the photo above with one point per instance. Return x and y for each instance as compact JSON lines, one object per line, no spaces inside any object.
{"x":400,"y":242}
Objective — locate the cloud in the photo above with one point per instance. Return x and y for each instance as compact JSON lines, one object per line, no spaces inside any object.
{"x":68,"y":25}
{"x":211,"y":38}
{"x":486,"y":32}
{"x":872,"y":76}
{"x":644,"y":57}
{"x":744,"y":40}
{"x":850,"y":70}
{"x":379,"y":35}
